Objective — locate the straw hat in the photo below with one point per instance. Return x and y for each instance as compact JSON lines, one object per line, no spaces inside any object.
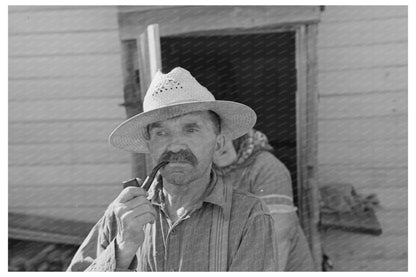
{"x":174,"y":94}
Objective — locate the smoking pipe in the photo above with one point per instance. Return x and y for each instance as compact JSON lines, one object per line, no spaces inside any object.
{"x":148,"y":181}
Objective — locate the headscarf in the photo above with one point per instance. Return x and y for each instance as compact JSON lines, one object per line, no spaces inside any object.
{"x":247,"y":148}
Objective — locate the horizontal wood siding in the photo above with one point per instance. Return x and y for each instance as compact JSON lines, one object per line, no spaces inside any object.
{"x":65,"y":87}
{"x":363,"y":55}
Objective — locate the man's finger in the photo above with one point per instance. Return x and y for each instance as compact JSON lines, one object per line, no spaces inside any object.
{"x":130,"y":193}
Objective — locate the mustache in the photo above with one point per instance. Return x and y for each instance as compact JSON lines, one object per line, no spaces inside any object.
{"x":181,"y":156}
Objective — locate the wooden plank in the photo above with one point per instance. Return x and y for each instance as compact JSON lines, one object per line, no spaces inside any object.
{"x":350,"y":248}
{"x":65,"y":20}
{"x":336,"y":34}
{"x":364,"y":13}
{"x":186,"y":19}
{"x":68,"y":174}
{"x":394,"y":222}
{"x":363,"y":80}
{"x":65,"y":88}
{"x":354,"y":57}
{"x":368,"y":177}
{"x":55,"y":110}
{"x":61,"y":132}
{"x":363,"y":105}
{"x":89,"y":214}
{"x":384,"y":153}
{"x":38,"y":8}
{"x":150,"y":61}
{"x":66,"y":153}
{"x":107,"y":65}
{"x":62,"y":196}
{"x":363,"y":129}
{"x":64,"y":44}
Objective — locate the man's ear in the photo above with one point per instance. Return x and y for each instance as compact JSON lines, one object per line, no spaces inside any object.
{"x":220,"y":143}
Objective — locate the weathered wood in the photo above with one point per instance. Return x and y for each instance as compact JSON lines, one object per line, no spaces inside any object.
{"x":66,"y":153}
{"x":362,"y":13}
{"x":86,"y":214}
{"x":69,"y":174}
{"x":39,"y":228}
{"x":363,"y":129}
{"x":368,"y":56}
{"x":150,"y":61}
{"x":363,"y":105}
{"x":363,"y":80}
{"x":63,"y":20}
{"x":65,"y":88}
{"x":186,"y":19}
{"x":132,"y":101}
{"x":388,"y":30}
{"x":58,"y":110}
{"x":345,"y":244}
{"x":104,"y":42}
{"x":62,"y":196}
{"x":387,"y":153}
{"x":104,"y":65}
{"x":306,"y":107}
{"x":61,"y":132}
{"x":371,"y":176}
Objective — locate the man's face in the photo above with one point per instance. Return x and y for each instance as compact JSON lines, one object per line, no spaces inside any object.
{"x":188,"y":142}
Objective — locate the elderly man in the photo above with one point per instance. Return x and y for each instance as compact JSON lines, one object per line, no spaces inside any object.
{"x":190,"y":220}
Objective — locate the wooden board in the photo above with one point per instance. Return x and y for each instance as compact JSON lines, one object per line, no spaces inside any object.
{"x":61,"y":132}
{"x":41,"y":228}
{"x":363,"y":129}
{"x":362,"y":13}
{"x":367,"y":56}
{"x":371,"y":250}
{"x":66,"y":110}
{"x":363,"y":80}
{"x":86,"y":214}
{"x":187,"y":19}
{"x":386,"y":30}
{"x":69,"y":174}
{"x":92,"y":196}
{"x":369,"y":177}
{"x":65,"y":88}
{"x":103,"y":42}
{"x":65,"y":66}
{"x":385,"y":153}
{"x":66,"y":153}
{"x":363,"y":105}
{"x":63,"y":20}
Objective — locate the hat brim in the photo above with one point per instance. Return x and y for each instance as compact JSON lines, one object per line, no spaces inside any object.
{"x":236,"y":120}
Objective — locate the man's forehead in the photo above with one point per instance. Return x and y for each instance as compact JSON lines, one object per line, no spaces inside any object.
{"x":191,"y":116}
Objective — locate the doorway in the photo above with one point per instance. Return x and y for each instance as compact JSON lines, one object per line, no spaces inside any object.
{"x":257,"y":69}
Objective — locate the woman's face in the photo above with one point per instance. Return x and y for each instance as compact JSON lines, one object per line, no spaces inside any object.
{"x":227,"y":156}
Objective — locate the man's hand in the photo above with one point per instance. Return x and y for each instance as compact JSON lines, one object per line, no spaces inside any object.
{"x":133,"y":211}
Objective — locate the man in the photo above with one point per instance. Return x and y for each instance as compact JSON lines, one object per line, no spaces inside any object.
{"x":190,"y":220}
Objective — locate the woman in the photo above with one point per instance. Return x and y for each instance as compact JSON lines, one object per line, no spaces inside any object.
{"x":247,"y":164}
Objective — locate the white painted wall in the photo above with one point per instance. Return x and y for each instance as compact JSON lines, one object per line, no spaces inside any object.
{"x":362,"y":55}
{"x":65,"y":84}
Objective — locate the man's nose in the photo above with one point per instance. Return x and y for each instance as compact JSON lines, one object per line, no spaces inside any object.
{"x":176,"y":143}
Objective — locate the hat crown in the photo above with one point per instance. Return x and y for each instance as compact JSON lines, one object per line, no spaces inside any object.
{"x":175,"y":87}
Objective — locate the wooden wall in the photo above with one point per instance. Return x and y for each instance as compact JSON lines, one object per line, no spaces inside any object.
{"x":362,"y":54}
{"x":65,"y":87}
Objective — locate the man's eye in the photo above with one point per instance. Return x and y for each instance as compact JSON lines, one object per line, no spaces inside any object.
{"x":160,"y":133}
{"x":191,"y":130}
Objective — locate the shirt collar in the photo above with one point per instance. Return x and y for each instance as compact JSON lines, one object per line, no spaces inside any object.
{"x":215,"y":191}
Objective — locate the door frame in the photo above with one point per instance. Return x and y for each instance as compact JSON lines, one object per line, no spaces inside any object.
{"x":301,"y":19}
